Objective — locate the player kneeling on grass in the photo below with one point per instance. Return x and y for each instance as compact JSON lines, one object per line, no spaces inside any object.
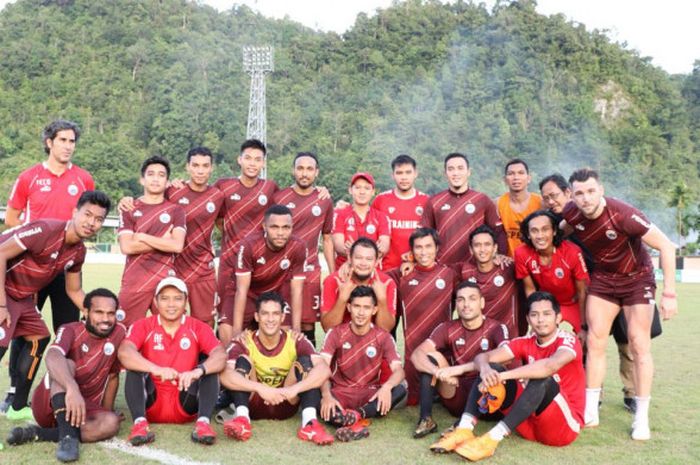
{"x":355,"y":351}
{"x":271,"y":372}
{"x":165,"y":381}
{"x":543,"y":399}
{"x":75,"y":401}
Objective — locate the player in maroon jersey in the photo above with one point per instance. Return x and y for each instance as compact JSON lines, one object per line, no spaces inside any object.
{"x":543,"y":399}
{"x":166,"y":379}
{"x":547,"y":262}
{"x":356,"y":351}
{"x":313,"y":219}
{"x":404,"y":206}
{"x":458,"y":210}
{"x":497,"y":282}
{"x":31,"y":256}
{"x":362,"y":271}
{"x":48,"y":190}
{"x":271,"y":260}
{"x":76,"y":400}
{"x":360,"y":219}
{"x":150,"y":235}
{"x":453,"y":343}
{"x":616,"y":234}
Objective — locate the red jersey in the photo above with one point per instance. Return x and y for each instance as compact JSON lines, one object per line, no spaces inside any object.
{"x":405,"y":216}
{"x":559,"y":276}
{"x":330,"y":292}
{"x":144,"y":271}
{"x":45,"y":256}
{"x":180,"y":352}
{"x":571,"y":377}
{"x":455,"y":216}
{"x":42,"y":194}
{"x":350,"y":225}
{"x":498,"y":287}
{"x":356,"y":361}
{"x":201,"y":210}
{"x":95,"y":357}
{"x":461,"y":345}
{"x":311,"y":217}
{"x":614,"y":239}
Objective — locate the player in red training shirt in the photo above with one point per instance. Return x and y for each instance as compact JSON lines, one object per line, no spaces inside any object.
{"x":452,"y":343}
{"x":360,"y":220}
{"x":271,"y":260}
{"x":404,"y":206}
{"x":362,"y":271}
{"x":76,"y":400}
{"x":271,"y":373}
{"x":48,"y":190}
{"x":458,"y":210}
{"x":547,"y":262}
{"x":623,"y":278}
{"x":543,"y":399}
{"x":30,"y":257}
{"x":356,"y":352}
{"x":313,"y":219}
{"x":150,"y":235}
{"x":165,"y":381}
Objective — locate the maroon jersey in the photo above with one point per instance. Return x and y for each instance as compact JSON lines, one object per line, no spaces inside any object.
{"x":356,"y":361}
{"x":614,"y":239}
{"x":311,"y":217}
{"x":201,"y":210}
{"x":350,"y":225}
{"x":45,"y":256}
{"x":461,"y":345}
{"x":331,"y":288}
{"x":498,"y":287}
{"x":571,"y":377}
{"x":405,"y":216}
{"x":144,"y":271}
{"x":95,"y":357}
{"x":455,"y":216}
{"x":42,"y":194}
{"x":180,"y":351}
{"x":559,"y":276}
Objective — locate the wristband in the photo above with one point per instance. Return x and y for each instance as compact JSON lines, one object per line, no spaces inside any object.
{"x":201,"y":367}
{"x":669,"y":295}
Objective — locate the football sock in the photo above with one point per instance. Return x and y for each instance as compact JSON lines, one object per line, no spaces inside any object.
{"x":308,"y":414}
{"x":499,"y":431}
{"x":311,"y":336}
{"x":58,"y":404}
{"x":47,"y":434}
{"x":641,"y":416}
{"x":15,"y":349}
{"x":535,"y":398}
{"x":591,"y":410}
{"x":242,"y":411}
{"x":139,"y":420}
{"x":204,"y":419}
{"x":371,"y":409}
{"x":426,"y":392}
{"x":207,"y":394}
{"x":466,"y":421}
{"x":135,"y":393}
{"x":28,"y":363}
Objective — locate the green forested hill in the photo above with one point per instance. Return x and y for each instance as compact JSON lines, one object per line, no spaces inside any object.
{"x":158,"y":76}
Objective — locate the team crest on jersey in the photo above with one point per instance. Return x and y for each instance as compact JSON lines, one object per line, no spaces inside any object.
{"x":469,"y":208}
{"x":413,"y":282}
{"x":108,"y":349}
{"x":316,"y":210}
{"x":120,"y":315}
{"x":69,"y":264}
{"x":164,"y":217}
{"x":498,"y":280}
{"x":211,"y":207}
{"x":184,"y":201}
{"x":460,"y":342}
{"x":371,"y":351}
{"x":235,"y":197}
{"x":2,"y":333}
{"x":291,"y":205}
{"x":84,"y":347}
{"x":440,"y":283}
{"x":73,"y":189}
{"x":138,"y":213}
{"x":347,"y":346}
{"x":392,"y":209}
{"x":559,"y":273}
{"x":445,"y":207}
{"x":262,"y":199}
{"x":371,"y":229}
{"x":419,"y":211}
{"x":260,"y":261}
{"x":185,"y":343}
{"x":284,"y":264}
{"x":611,"y":234}
{"x":580,"y":227}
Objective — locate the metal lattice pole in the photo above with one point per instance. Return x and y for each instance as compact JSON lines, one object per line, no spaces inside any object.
{"x":258,"y":62}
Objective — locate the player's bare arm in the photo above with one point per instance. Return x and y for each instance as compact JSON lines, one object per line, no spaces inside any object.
{"x":383,"y":245}
{"x":581,"y":293}
{"x":328,"y":252}
{"x":541,"y":368}
{"x":12,"y":217}
{"x":482,"y":363}
{"x":340,"y":246}
{"x":420,"y":360}
{"x":173,"y":241}
{"x":315,"y":378}
{"x":384,"y":319}
{"x":334,"y":317}
{"x":215,"y":363}
{"x":383,"y":395}
{"x":297,"y":291}
{"x":528,"y":285}
{"x":60,"y":373}
{"x":131,"y":359}
{"x":449,"y":375}
{"x":74,"y":289}
{"x":667,"y":261}
{"x":239,"y":302}
{"x":126,"y":204}
{"x":129,"y":244}
{"x":111,"y":391}
{"x":8,"y":250}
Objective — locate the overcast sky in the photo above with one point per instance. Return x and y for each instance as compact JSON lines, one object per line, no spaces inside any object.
{"x":666,"y":30}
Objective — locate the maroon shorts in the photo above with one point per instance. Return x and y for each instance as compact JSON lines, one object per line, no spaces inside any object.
{"x":413,"y":381}
{"x":259,"y":410}
{"x":353,"y":397}
{"x":455,"y":404}
{"x":135,"y":305}
{"x":167,"y":408}
{"x":202,"y":297}
{"x":226,"y":311}
{"x":25,"y":320}
{"x":572,"y":315}
{"x":639,"y":288}
{"x":311,"y":301}
{"x":41,"y":405}
{"x":225,"y":283}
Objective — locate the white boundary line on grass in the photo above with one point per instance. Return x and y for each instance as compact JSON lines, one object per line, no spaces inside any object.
{"x":150,"y":453}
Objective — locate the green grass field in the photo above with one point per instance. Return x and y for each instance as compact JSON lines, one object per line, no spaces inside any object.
{"x":675,"y":419}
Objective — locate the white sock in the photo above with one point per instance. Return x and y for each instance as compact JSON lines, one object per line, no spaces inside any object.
{"x":308,"y":414}
{"x":204,"y":419}
{"x":499,"y":431}
{"x":242,"y":411}
{"x":641,"y":416}
{"x":466,"y":421}
{"x":11,"y":390}
{"x":591,"y":411}
{"x":139,"y":420}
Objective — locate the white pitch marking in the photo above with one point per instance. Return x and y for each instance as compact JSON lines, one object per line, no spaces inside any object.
{"x":150,"y":453}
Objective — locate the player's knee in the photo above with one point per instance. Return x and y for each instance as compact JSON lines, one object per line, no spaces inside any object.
{"x":302,"y":366}
{"x":104,"y":426}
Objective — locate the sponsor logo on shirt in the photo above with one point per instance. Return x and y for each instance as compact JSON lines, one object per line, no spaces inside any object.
{"x":29,"y":232}
{"x":498,"y":280}
{"x":445,"y":207}
{"x":184,"y":201}
{"x":460,"y":342}
{"x":316,"y":210}
{"x":185,"y":343}
{"x":69,"y":264}
{"x":559,"y":273}
{"x":413,"y":282}
{"x":347,"y":346}
{"x":73,"y":189}
{"x":262,"y":199}
{"x":84,"y":348}
{"x":440,"y":283}
{"x":108,"y":349}
{"x":45,"y":189}
{"x":371,"y":229}
{"x":235,"y":197}
{"x":580,"y":227}
{"x":284,"y":264}
{"x":469,"y":208}
{"x":211,"y":207}
{"x":371,"y":351}
{"x":404,"y":224}
{"x":611,"y":234}
{"x":138,"y":214}
{"x":472,"y":279}
{"x":164,"y":218}
{"x":260,"y":260}
{"x":291,"y":205}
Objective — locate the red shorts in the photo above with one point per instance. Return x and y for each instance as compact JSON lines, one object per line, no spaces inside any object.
{"x":572,"y":315}
{"x":353,"y":397}
{"x":41,"y":405}
{"x":202,"y":297}
{"x":167,"y":408}
{"x":639,"y":288}
{"x":455,"y":404}
{"x":25,"y":320}
{"x":135,"y":305}
{"x":311,"y":300}
{"x":261,"y":411}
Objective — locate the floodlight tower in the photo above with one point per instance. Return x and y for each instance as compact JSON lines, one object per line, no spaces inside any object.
{"x":258,"y":61}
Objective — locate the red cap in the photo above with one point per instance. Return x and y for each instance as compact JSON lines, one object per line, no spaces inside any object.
{"x":366,"y":176}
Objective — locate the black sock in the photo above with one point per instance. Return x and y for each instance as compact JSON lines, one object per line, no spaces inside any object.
{"x":208,"y":390}
{"x":311,"y":336}
{"x":535,"y":398}
{"x":47,"y":434}
{"x":371,"y":409}
{"x":28,"y":363}
{"x":58,"y":404}
{"x":242,"y":398}
{"x":15,"y":349}
{"x":135,"y":393}
{"x":2,"y":354}
{"x":427,"y":393}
